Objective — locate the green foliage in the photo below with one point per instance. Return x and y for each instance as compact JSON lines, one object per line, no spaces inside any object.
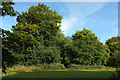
{"x":7,"y":9}
{"x":42,"y":16}
{"x":50,"y":55}
{"x":7,"y":58}
{"x":89,"y":67}
{"x":45,"y":66}
{"x":27,"y":35}
{"x":58,"y":67}
{"x":34,"y":39}
{"x":114,"y":46}
{"x":65,"y":46}
{"x":38,"y":39}
{"x":29,"y":47}
{"x":88,"y":49}
{"x":52,"y":66}
{"x":116,"y":56}
{"x":39,"y":55}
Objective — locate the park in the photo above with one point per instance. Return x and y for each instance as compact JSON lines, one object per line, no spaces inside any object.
{"x":36,"y":48}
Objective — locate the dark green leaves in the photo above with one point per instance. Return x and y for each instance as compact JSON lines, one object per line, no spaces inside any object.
{"x":7,"y":9}
{"x":90,"y":51}
{"x":114,"y":47}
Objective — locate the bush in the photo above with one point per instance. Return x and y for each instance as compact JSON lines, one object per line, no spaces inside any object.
{"x":54,"y":66}
{"x":21,"y":68}
{"x":58,"y":66}
{"x":89,"y":67}
{"x":39,"y":55}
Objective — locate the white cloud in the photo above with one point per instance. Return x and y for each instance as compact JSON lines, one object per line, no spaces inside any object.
{"x":67,"y":23}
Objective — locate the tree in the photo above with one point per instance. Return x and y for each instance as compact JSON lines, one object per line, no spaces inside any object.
{"x":7,"y":58}
{"x":66,"y":50}
{"x":29,"y":47}
{"x":88,"y":49}
{"x":42,"y":16}
{"x":117,"y":57}
{"x":37,"y":27}
{"x":114,"y":47}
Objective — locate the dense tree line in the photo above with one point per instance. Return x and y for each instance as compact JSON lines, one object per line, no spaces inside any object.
{"x":38,"y":39}
{"x":114,"y":46}
{"x":7,"y":58}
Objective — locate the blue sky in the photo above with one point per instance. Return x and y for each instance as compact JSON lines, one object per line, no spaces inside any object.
{"x":100,"y":17}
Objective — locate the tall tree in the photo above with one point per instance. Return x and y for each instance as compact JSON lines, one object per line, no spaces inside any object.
{"x":42,"y":16}
{"x":29,"y":47}
{"x":7,"y":58}
{"x":89,"y":50}
{"x":37,"y":27}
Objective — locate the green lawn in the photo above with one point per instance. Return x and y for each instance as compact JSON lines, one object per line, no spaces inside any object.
{"x":63,"y":74}
{"x":32,"y":72}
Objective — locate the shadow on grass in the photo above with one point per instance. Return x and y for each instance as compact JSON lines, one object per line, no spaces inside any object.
{"x":61,"y":75}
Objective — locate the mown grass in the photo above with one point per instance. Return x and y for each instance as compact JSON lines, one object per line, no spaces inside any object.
{"x":59,"y":71}
{"x":62,"y":74}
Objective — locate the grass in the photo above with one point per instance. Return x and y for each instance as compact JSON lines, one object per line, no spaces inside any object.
{"x":18,"y":71}
{"x":62,"y":74}
{"x":57,"y":68}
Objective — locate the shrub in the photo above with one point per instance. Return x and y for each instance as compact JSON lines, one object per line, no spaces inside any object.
{"x":89,"y":67}
{"x":54,"y":66}
{"x":21,"y":68}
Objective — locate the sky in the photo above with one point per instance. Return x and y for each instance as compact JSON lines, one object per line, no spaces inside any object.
{"x":99,"y":17}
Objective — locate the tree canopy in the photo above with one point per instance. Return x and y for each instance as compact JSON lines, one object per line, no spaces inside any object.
{"x":7,"y":58}
{"x":38,"y":39}
{"x":35,"y":35}
{"x":42,"y":16}
{"x":114,"y":46}
{"x":89,"y":49}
